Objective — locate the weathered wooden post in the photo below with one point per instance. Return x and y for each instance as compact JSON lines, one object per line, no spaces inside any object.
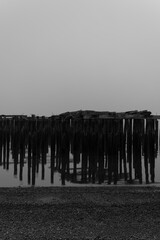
{"x":89,"y":149}
{"x":38,"y":130}
{"x":34,"y":155}
{"x":145,"y":152}
{"x":156,"y":127}
{"x":4,"y":143}
{"x":120,"y":147}
{"x":110,"y":149}
{"x":43,"y":149}
{"x":151,"y":146}
{"x":106,"y":145}
{"x":58,"y":143}
{"x":137,"y":132}
{"x":115,"y":149}
{"x":101,"y":152}
{"x":52,"y":143}
{"x":21,"y":147}
{"x":76,"y":148}
{"x":64,"y":150}
{"x":129,"y":146}
{"x":21,"y":157}
{"x":68,"y":132}
{"x":93,"y":150}
{"x":124,"y":141}
{"x":1,"y":139}
{"x":16,"y":146}
{"x":8,"y":142}
{"x":84,"y":151}
{"x":29,"y":157}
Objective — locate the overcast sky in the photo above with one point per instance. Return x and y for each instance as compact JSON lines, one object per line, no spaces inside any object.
{"x":66,"y":55}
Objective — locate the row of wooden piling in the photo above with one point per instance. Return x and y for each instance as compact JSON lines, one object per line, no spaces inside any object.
{"x":105,"y":149}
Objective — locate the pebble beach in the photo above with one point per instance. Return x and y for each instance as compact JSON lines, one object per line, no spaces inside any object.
{"x":111,"y":212}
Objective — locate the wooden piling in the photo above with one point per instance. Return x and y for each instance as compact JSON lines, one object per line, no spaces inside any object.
{"x":15,"y":146}
{"x":110,"y":148}
{"x":137,"y":132}
{"x":22,"y":148}
{"x":151,"y":147}
{"x":64,"y":150}
{"x":115,"y":149}
{"x":145,"y":153}
{"x":29,"y":158}
{"x":129,"y":146}
{"x":85,"y":151}
{"x":76,"y":149}
{"x":52,"y":144}
{"x":100,"y":145}
{"x":120,"y":147}
{"x":4,"y":147}
{"x":93,"y":151}
{"x":1,"y":140}
{"x":34,"y":156}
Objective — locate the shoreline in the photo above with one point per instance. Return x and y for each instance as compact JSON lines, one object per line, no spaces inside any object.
{"x":114,"y":212}
{"x":88,"y":185}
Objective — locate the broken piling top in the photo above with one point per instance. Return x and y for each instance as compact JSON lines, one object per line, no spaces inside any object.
{"x":90,"y":114}
{"x":85,"y":114}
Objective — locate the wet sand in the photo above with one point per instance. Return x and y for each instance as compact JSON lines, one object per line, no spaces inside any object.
{"x":112,"y":212}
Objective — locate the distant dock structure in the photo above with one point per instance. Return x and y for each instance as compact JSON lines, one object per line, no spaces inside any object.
{"x":84,"y":146}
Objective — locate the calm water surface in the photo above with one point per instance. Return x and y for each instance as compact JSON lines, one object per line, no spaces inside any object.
{"x":8,"y":179}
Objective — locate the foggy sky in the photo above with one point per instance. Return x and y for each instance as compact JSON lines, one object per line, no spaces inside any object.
{"x":66,"y":55}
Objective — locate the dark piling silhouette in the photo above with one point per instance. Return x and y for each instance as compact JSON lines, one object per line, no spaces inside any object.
{"x":137,"y":148}
{"x":1,"y":139}
{"x":105,"y":146}
{"x":100,"y":146}
{"x":52,"y":144}
{"x":129,"y":146}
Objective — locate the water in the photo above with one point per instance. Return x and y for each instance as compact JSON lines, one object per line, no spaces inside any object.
{"x":8,"y":179}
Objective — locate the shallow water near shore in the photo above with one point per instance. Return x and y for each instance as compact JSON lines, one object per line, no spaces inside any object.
{"x":9,"y":179}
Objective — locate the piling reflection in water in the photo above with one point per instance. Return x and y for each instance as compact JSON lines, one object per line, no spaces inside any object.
{"x":81,"y":150}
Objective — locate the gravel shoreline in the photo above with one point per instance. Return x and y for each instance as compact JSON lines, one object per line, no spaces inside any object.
{"x":113,"y":212}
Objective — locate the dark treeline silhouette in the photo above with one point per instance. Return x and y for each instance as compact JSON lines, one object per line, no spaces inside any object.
{"x":102,"y":149}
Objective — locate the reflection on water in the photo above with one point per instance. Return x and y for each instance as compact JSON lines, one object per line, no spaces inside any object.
{"x":54,"y":152}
